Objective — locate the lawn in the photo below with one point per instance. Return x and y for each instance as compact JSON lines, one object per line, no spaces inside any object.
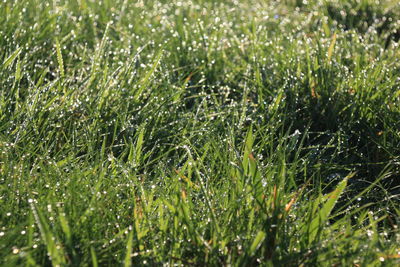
{"x":199,"y":133}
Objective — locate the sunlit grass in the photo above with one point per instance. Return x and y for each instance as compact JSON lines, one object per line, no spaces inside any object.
{"x":199,"y":133}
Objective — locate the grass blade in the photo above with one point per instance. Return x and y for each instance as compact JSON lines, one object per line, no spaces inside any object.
{"x":146,"y":80}
{"x":55,"y":251}
{"x":128,"y":252}
{"x":11,"y":58}
{"x":331,"y":48}
{"x":60,"y":59}
{"x":257,"y":242}
{"x":323,"y":213}
{"x":94,"y":257}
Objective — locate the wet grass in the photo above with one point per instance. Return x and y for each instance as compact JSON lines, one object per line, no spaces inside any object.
{"x":199,"y":133}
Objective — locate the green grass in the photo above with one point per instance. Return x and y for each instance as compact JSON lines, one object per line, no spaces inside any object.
{"x":199,"y":133}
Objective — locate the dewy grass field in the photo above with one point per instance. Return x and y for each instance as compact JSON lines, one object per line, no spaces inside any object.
{"x":219,"y":133}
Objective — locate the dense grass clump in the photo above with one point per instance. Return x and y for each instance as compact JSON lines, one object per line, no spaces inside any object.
{"x":199,"y":133}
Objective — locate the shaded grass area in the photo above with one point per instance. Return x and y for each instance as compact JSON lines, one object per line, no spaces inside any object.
{"x":199,"y":133}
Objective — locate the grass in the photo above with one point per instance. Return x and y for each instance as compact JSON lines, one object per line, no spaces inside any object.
{"x":199,"y":133}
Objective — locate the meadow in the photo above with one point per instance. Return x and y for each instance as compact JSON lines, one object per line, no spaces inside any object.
{"x":199,"y":133}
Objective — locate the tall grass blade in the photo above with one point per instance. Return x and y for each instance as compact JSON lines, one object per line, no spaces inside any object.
{"x":323,"y":213}
{"x":94,"y":257}
{"x":331,"y":48}
{"x":128,"y":252}
{"x":258,"y":240}
{"x":146,"y":80}
{"x":60,"y":59}
{"x":11,"y":58}
{"x":55,"y":251}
